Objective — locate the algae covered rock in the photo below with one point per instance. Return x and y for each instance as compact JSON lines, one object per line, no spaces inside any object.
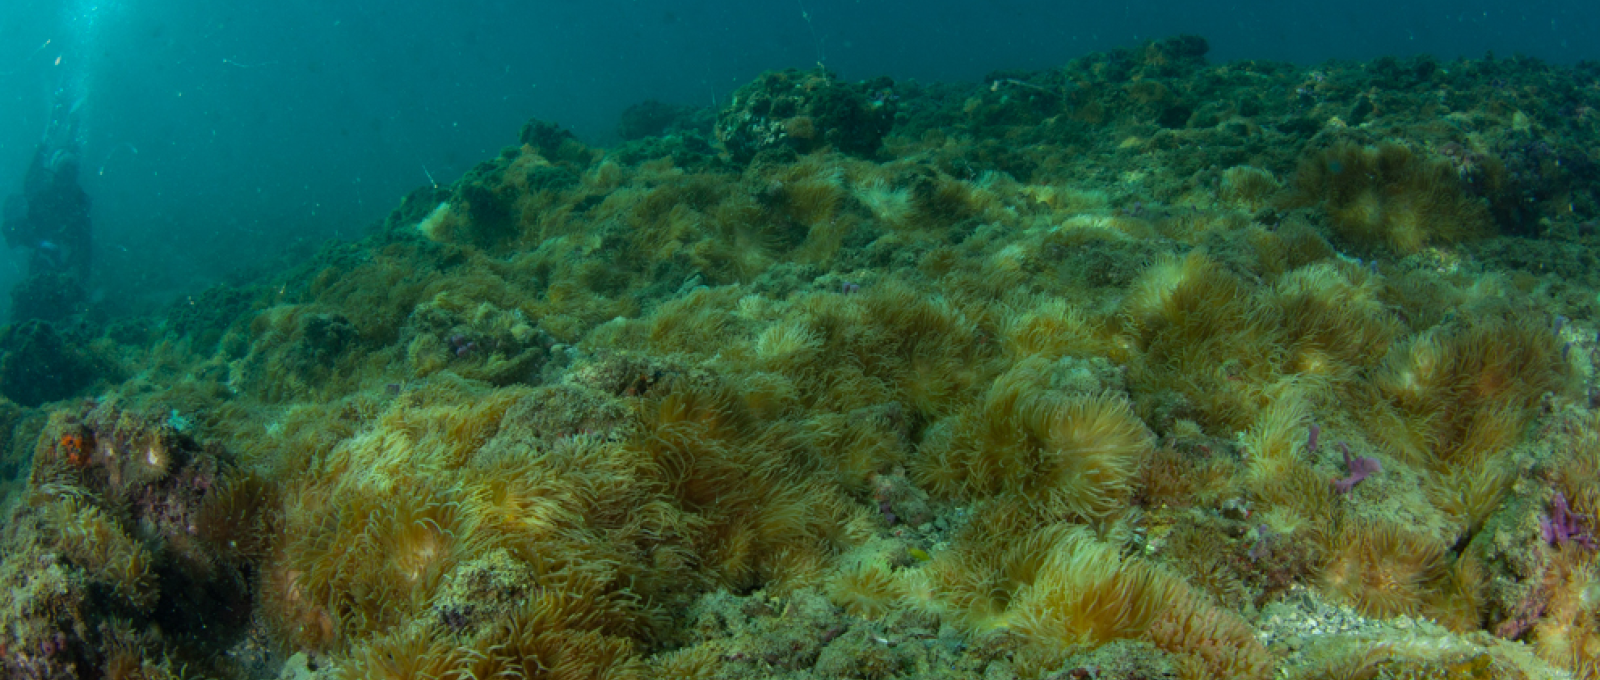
{"x":476,"y":341}
{"x":39,"y":364}
{"x":654,"y":118}
{"x":1055,"y":380}
{"x":101,"y":565}
{"x":804,"y":111}
{"x":48,"y":296}
{"x":207,"y":316}
{"x":553,"y":142}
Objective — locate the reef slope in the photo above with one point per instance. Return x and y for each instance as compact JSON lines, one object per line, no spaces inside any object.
{"x":1137,"y":367}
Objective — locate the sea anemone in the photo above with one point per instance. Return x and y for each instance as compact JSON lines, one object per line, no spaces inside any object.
{"x":239,"y":517}
{"x":1084,"y":594}
{"x":1390,"y":195}
{"x":1077,"y":454}
{"x":93,"y":541}
{"x":557,"y":635}
{"x":417,"y":652}
{"x":1385,"y":569}
{"x":866,"y":588}
{"x":1248,"y":188}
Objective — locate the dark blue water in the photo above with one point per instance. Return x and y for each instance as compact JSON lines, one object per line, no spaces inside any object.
{"x":220,"y":132}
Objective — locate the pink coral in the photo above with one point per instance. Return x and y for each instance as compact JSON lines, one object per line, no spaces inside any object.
{"x":1563,"y":526}
{"x":1360,"y":468}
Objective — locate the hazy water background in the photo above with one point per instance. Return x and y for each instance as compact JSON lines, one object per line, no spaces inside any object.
{"x":267,"y":127}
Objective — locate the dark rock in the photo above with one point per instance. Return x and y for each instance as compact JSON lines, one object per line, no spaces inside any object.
{"x":38,"y":365}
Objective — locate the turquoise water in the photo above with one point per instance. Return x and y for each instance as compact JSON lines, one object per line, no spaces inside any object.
{"x":216,"y":132}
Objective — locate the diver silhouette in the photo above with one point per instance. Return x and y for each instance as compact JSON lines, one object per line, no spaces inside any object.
{"x":51,"y":215}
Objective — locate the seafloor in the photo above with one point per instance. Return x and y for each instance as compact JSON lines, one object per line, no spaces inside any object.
{"x":1140,"y":367}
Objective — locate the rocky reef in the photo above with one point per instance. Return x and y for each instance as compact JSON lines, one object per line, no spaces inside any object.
{"x":1138,"y":367}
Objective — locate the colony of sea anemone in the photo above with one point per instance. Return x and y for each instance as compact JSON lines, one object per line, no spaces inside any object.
{"x":1137,"y":367}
